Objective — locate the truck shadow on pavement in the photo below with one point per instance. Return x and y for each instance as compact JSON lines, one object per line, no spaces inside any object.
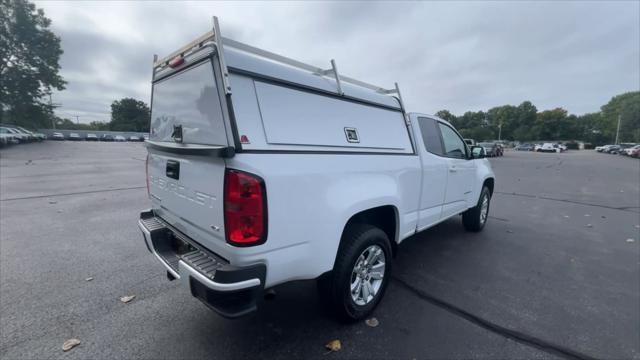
{"x":296,"y":318}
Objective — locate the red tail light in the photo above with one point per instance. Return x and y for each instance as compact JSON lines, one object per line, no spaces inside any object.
{"x":245,"y":208}
{"x":146,"y":174}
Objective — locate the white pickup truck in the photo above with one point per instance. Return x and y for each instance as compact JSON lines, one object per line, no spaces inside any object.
{"x":263,"y":170}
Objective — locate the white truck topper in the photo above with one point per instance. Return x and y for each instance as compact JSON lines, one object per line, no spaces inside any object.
{"x":324,"y":111}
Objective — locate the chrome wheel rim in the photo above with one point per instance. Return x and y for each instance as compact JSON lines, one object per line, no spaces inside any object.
{"x":367,"y":275}
{"x":484,"y":209}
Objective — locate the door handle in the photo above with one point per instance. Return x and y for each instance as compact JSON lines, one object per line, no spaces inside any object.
{"x":453,"y":169}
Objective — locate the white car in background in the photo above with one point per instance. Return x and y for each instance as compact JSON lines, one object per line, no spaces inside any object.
{"x":547,"y":147}
{"x":57,"y":136}
{"x":17,"y":135}
{"x":631,"y":150}
{"x":6,"y":138}
{"x":119,"y":138}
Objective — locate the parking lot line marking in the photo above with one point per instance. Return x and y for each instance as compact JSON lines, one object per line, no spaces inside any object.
{"x":622,"y":208}
{"x":73,"y":193}
{"x":514,"y":335}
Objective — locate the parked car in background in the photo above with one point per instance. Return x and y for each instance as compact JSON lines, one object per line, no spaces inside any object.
{"x":500,"y":149}
{"x":547,"y":147}
{"x":119,"y":138}
{"x":17,"y":135}
{"x":603,"y":148}
{"x":631,"y":150}
{"x":623,"y":148}
{"x":36,"y":136}
{"x":136,"y":138}
{"x":490,"y":149}
{"x":146,"y":137}
{"x":6,"y":138}
{"x":562,"y":147}
{"x":524,"y":147}
{"x":91,"y":137}
{"x":74,"y":137}
{"x":470,"y":142}
{"x":613,"y":149}
{"x":57,"y":136}
{"x":107,"y":137}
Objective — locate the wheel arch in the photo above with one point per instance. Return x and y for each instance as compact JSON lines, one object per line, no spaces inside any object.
{"x":384,"y":217}
{"x":490,"y":183}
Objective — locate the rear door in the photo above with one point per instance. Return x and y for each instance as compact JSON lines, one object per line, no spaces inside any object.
{"x":461,"y":172}
{"x":185,"y":174}
{"x":434,"y":172}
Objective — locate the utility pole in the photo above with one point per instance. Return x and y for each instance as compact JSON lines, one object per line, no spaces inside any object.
{"x":53,"y":121}
{"x":77,"y":119}
{"x":500,"y":132}
{"x":53,"y":106}
{"x":618,"y":130}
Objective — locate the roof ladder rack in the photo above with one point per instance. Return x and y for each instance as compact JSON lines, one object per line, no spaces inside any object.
{"x":214,"y":38}
{"x":334,"y":70}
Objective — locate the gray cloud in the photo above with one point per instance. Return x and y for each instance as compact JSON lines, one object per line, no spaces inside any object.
{"x":459,"y":55}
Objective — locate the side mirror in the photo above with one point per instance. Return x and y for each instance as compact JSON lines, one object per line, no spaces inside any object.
{"x":477,"y":152}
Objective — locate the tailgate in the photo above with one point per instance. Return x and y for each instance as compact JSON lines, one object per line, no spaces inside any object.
{"x":187,"y":192}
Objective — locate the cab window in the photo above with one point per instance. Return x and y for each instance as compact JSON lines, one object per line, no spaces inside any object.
{"x":430,"y":135}
{"x":453,"y":145}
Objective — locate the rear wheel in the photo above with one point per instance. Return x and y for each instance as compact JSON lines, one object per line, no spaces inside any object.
{"x":360,"y":274}
{"x":475,"y":218}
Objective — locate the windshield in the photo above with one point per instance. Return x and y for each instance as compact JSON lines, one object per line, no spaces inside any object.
{"x":188,"y":99}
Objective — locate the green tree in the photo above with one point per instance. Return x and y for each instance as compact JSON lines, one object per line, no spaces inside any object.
{"x":447,"y":115}
{"x":548,"y":124}
{"x":503,"y":116}
{"x":627,"y":106}
{"x":130,"y":115}
{"x":29,"y":55}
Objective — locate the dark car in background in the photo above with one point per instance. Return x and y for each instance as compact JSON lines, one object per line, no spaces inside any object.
{"x":107,"y":137}
{"x":91,"y":137}
{"x":613,"y":149}
{"x":524,"y":147}
{"x":490,"y":149}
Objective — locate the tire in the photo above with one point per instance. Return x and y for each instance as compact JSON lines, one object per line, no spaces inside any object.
{"x":358,"y":241}
{"x":475,"y":218}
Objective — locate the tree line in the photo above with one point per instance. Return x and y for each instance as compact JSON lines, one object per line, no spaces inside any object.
{"x":525,"y":123}
{"x":127,"y":114}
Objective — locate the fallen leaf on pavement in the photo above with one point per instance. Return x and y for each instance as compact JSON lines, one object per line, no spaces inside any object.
{"x":128,"y":298}
{"x":334,"y":345}
{"x":566,"y":216}
{"x":587,"y":215}
{"x":630,"y":240}
{"x":510,"y":231}
{"x":373,"y":322}
{"x":70,"y":344}
{"x":53,"y":202}
{"x":589,"y":225}
{"x":88,"y":279}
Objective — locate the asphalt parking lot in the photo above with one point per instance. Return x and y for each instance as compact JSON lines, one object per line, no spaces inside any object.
{"x":555,"y":274}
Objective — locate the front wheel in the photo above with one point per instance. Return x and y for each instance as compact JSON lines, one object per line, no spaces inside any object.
{"x":360,"y":274}
{"x":475,"y":218}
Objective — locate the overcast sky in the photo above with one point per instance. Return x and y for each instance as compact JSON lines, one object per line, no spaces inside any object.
{"x":458,"y":56}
